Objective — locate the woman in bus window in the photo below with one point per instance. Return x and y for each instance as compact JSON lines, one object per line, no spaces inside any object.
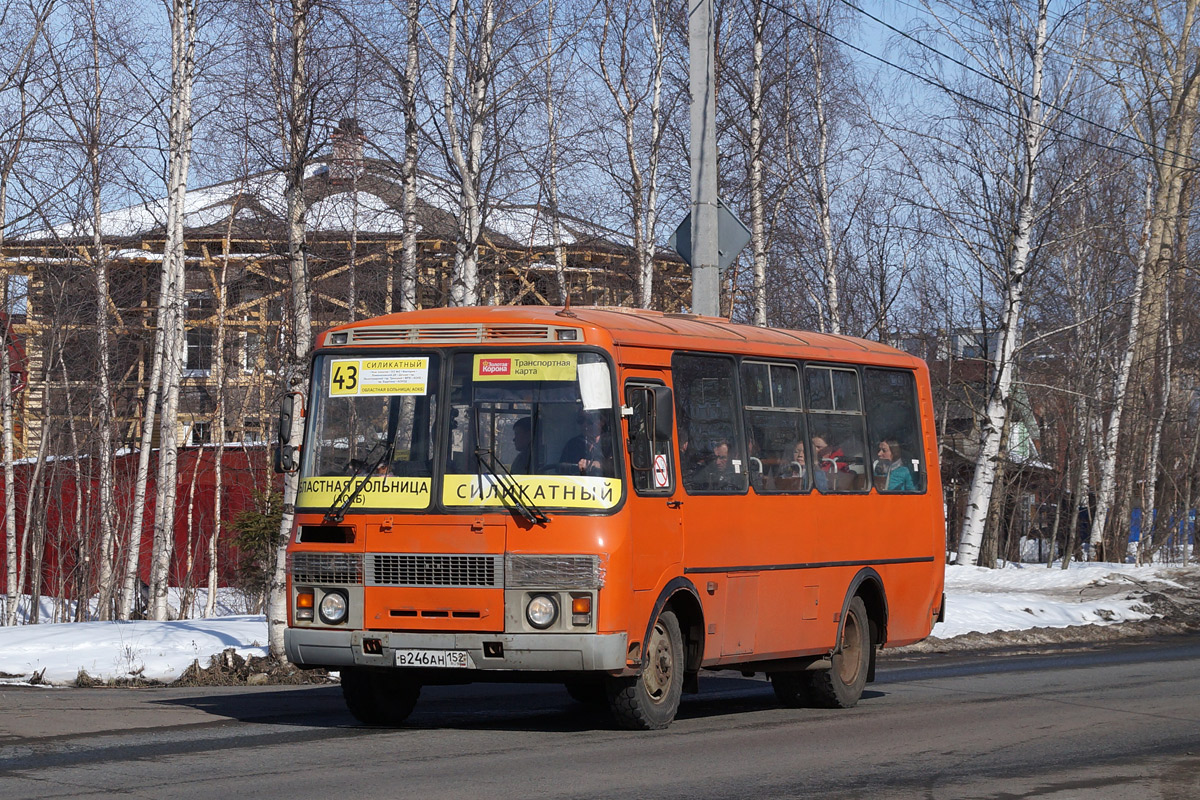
{"x":891,"y":475}
{"x":794,"y":475}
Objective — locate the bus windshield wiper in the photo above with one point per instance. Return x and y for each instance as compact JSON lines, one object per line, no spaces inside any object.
{"x":337,"y":509}
{"x":510,"y":490}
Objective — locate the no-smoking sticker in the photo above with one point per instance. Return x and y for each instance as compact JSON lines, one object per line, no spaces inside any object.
{"x":661,"y":480}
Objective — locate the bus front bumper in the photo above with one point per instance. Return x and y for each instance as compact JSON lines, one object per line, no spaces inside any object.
{"x":551,"y":652}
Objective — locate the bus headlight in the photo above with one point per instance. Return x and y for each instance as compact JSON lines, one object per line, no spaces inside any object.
{"x":333,"y":608}
{"x":542,"y":611}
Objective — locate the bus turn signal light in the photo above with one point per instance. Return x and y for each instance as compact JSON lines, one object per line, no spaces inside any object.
{"x":304,"y":606}
{"x":581,"y":610}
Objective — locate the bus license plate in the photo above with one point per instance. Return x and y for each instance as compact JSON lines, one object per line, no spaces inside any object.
{"x":455,"y":659}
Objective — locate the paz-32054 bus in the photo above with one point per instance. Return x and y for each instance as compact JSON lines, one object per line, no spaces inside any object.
{"x":610,"y":499}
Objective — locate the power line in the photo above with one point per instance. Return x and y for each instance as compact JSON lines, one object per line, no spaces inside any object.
{"x":964,"y":96}
{"x":1018,"y":90}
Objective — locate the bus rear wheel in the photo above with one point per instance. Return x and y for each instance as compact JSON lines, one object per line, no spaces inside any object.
{"x":843,"y":684}
{"x":377,"y":697}
{"x":651,"y":700}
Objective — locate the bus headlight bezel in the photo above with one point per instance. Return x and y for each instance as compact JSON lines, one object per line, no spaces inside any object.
{"x":541,"y":610}
{"x":334,"y":608}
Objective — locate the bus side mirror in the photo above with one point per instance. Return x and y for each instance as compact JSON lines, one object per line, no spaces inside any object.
{"x":664,"y":414}
{"x":285,"y":451}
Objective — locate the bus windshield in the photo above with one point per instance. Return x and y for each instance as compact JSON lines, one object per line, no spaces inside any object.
{"x":548,"y":419}
{"x":543,"y":423}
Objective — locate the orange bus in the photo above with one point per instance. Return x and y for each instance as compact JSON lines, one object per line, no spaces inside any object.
{"x":611,"y":499}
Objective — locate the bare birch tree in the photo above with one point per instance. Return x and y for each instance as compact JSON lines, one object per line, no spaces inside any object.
{"x":1008,"y":47}
{"x":631,"y":52}
{"x":15,"y":74}
{"x":289,"y":54}
{"x":1156,"y":70}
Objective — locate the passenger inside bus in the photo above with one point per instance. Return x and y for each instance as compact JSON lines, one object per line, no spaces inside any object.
{"x":793,"y":475}
{"x":891,"y":475}
{"x":718,"y":472}
{"x":522,"y":463}
{"x":587,"y":450}
{"x":832,"y":465}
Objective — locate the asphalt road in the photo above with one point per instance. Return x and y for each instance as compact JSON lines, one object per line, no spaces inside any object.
{"x":1118,"y":723}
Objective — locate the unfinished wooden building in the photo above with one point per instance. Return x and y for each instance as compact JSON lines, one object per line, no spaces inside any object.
{"x":237,"y":292}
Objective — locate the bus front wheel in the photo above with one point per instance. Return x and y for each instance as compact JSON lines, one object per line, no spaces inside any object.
{"x":376,"y":697}
{"x":843,"y":684}
{"x":650,"y":701}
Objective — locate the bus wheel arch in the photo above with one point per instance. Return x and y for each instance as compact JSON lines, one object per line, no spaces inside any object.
{"x":680,"y":595}
{"x":868,"y":585}
{"x":671,"y":651}
{"x":862,"y":628}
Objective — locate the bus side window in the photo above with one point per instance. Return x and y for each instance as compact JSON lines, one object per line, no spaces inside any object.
{"x":835,"y":429}
{"x":775,"y":427}
{"x":650,"y":451}
{"x":894,"y":427}
{"x":706,"y":402}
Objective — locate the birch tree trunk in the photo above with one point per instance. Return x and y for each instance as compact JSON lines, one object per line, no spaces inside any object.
{"x":640,"y":185}
{"x":104,"y":399}
{"x":467,"y":163}
{"x":10,"y":488}
{"x":1146,"y":543}
{"x":1112,"y":431}
{"x":172,"y":313}
{"x":758,"y":234}
{"x":296,"y":128}
{"x":18,"y":75}
{"x":822,"y":200}
{"x":996,"y":413}
{"x":408,"y":255}
{"x":219,"y":378}
{"x":556,"y":228}
{"x":646,"y":255}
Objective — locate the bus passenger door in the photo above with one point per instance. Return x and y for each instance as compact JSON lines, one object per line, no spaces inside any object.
{"x":654,"y":510}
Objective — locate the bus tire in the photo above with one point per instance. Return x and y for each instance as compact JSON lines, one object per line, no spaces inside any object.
{"x":378,"y":698}
{"x":792,"y":689}
{"x":650,"y":701}
{"x":842,"y":685}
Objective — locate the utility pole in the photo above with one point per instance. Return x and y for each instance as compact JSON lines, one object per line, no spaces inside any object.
{"x":706,"y":276}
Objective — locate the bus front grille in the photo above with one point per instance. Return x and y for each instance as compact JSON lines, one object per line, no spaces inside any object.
{"x":435,"y":570}
{"x":326,"y":568}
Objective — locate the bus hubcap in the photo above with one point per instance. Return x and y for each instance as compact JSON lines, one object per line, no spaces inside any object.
{"x":658,"y":675}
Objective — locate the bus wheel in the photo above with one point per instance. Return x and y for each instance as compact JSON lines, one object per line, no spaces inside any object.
{"x":792,"y":689}
{"x":378,"y":698}
{"x":649,"y":701}
{"x":841,"y":686}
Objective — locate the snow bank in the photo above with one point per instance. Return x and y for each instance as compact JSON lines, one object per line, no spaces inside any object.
{"x":1022,"y":596}
{"x":107,"y":651}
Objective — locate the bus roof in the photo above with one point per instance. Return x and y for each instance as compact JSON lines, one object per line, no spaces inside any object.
{"x":630,"y":327}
